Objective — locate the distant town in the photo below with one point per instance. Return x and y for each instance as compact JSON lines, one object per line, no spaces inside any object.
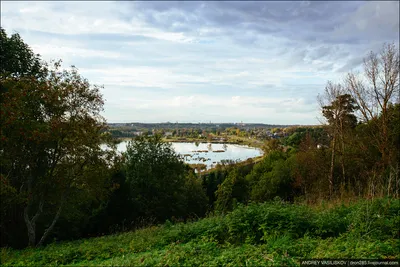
{"x":208,"y":131}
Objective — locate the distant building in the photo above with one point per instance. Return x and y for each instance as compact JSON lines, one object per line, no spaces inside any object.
{"x":168,"y":134}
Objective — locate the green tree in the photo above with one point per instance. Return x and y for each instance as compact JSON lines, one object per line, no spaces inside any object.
{"x":270,"y":178}
{"x":51,"y":133}
{"x":232,"y":190}
{"x":17,"y":58}
{"x":339,"y":113}
{"x":158,"y":179}
{"x":194,"y":198}
{"x":271,"y":145}
{"x":310,"y":168}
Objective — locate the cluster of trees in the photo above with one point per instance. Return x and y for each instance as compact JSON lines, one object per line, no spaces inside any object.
{"x":61,"y":177}
{"x":298,"y":134}
{"x":363,"y":118}
{"x":153,"y":184}
{"x":355,"y":154}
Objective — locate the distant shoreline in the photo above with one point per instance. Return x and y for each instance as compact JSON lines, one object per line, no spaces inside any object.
{"x":255,"y":143}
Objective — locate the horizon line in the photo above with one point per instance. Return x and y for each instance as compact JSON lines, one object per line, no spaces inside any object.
{"x":168,"y":122}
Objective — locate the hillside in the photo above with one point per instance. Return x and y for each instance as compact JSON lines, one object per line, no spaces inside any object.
{"x":268,"y":234}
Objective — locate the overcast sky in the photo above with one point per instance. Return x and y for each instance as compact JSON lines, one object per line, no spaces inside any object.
{"x":207,"y":61}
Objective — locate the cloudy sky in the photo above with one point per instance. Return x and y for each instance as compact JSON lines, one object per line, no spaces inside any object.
{"x":207,"y":61}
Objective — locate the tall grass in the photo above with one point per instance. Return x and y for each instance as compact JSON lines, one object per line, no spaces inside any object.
{"x":274,"y":233}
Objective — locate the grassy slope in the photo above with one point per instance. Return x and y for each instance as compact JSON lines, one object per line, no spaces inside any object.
{"x":257,"y":235}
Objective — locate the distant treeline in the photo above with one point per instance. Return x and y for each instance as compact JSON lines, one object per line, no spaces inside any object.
{"x":170,"y":125}
{"x":201,"y":131}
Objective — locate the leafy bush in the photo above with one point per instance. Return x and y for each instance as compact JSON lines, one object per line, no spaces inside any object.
{"x":378,"y":219}
{"x":332,"y":222}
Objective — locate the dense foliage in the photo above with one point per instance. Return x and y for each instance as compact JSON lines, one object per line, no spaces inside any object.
{"x":17,"y":58}
{"x":270,"y":234}
{"x":51,"y":159}
{"x":158,"y":184}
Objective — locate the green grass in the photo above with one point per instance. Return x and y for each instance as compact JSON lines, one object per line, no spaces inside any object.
{"x":269,"y":234}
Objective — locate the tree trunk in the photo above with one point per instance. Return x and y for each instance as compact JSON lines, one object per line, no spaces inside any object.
{"x":389,"y":183}
{"x":31,"y":228}
{"x":397,"y":181}
{"x":332,"y":166}
{"x":343,"y":171}
{"x":50,"y":228}
{"x":31,"y":223}
{"x":342,"y":153}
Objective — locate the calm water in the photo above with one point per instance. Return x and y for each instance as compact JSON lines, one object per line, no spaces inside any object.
{"x":207,"y":156}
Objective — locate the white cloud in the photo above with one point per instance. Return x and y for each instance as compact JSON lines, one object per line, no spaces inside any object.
{"x":205,"y":107}
{"x":375,"y":20}
{"x":258,"y":61}
{"x":54,"y":51}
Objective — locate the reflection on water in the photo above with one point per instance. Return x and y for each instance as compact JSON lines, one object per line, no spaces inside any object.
{"x":209,"y":154}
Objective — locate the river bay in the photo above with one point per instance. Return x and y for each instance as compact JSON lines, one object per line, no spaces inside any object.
{"x":209,"y":153}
